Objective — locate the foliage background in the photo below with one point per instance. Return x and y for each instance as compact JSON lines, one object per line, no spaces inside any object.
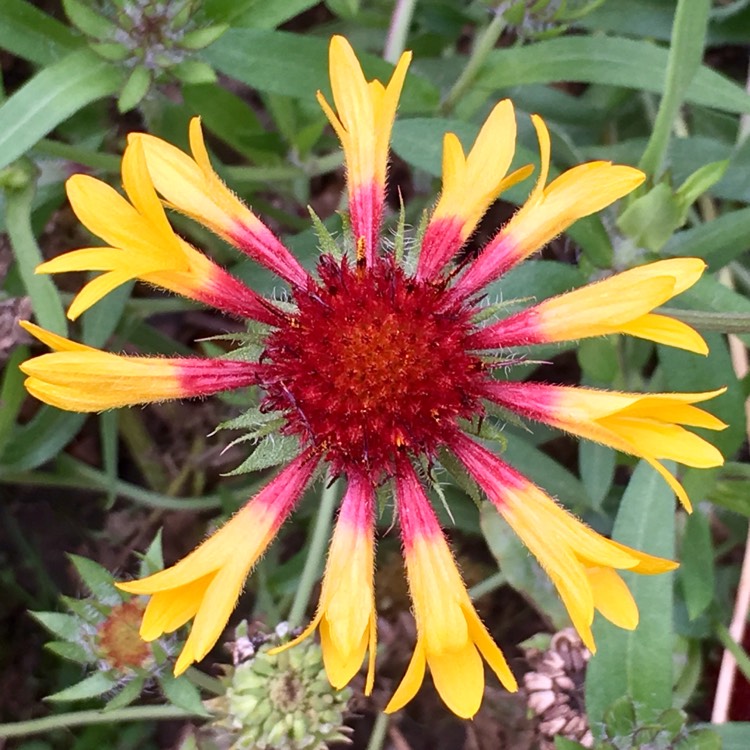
{"x":652,"y":83}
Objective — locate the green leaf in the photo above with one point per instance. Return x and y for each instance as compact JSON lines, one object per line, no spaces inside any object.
{"x":596,"y":465}
{"x":520,"y":569}
{"x":563,"y":743}
{"x":29,"y":33}
{"x":688,"y":372}
{"x":153,"y":559}
{"x":60,"y":624}
{"x":697,"y":568}
{"x":200,"y":38}
{"x":718,"y":242}
{"x":180,"y":692}
{"x":92,"y":686}
{"x":41,"y":439}
{"x":297,"y":66}
{"x":638,"y":663}
{"x":735,"y":735}
{"x":50,"y":97}
{"x":45,"y":300}
{"x":611,"y":60}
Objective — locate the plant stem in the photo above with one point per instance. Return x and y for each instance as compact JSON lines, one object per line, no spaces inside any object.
{"x":711,"y":321}
{"x":315,"y":554}
{"x":85,"y":718}
{"x":205,"y":681}
{"x":379,"y":729}
{"x":398,"y":30}
{"x":482,"y":48}
{"x":488,"y":584}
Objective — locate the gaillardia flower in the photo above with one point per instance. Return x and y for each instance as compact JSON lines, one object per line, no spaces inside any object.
{"x":377,"y":367}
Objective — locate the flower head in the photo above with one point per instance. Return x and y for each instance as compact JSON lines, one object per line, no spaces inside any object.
{"x":374,"y":370}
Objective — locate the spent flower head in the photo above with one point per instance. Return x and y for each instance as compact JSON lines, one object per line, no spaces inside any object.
{"x":277,"y":702}
{"x":377,"y":366}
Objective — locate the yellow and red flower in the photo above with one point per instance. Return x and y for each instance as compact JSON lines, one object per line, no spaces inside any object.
{"x":375,"y":369}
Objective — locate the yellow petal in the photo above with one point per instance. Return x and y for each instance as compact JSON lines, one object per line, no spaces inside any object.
{"x":52,"y":340}
{"x":459,"y":679}
{"x":411,"y":681}
{"x":168,"y":610}
{"x":662,"y":329}
{"x":489,"y":649}
{"x":613,"y":598}
{"x":341,"y":666}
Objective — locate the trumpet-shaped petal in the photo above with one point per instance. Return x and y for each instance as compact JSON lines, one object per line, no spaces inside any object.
{"x":450,"y":635}
{"x":190,"y":185}
{"x":470,"y":185}
{"x":645,"y":425}
{"x":549,"y":210}
{"x":619,"y":304}
{"x":205,"y":585}
{"x":79,"y":378}
{"x":143,"y":246}
{"x":581,"y":563}
{"x":365,"y":111}
{"x":346,"y":610}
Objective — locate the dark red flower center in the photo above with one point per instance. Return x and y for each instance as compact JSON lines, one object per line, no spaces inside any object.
{"x":373,"y":363}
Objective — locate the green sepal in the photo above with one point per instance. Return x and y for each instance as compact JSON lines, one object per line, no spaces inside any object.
{"x":135,"y":88}
{"x":129,"y":693}
{"x":201,"y":38}
{"x":97,"y":578}
{"x":180,"y":692}
{"x":88,"y":21}
{"x":328,"y":244}
{"x":111,"y":51}
{"x":70,"y":651}
{"x":272,"y":450}
{"x":59,"y":624}
{"x":194,"y":72}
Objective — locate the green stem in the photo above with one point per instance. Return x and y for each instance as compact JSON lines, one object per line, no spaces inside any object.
{"x":488,"y":584}
{"x":482,"y":48}
{"x":312,"y":168}
{"x":685,"y":56}
{"x":44,"y":297}
{"x":315,"y":554}
{"x":379,"y":730}
{"x":711,"y":321}
{"x":78,"y":475}
{"x":399,"y":30}
{"x":85,"y":718}
{"x":205,"y":681}
{"x":83,"y":156}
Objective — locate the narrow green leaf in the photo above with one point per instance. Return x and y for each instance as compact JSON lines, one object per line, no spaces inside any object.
{"x":638,"y":663}
{"x":91,"y":23}
{"x":50,"y":97}
{"x":611,"y":60}
{"x":45,"y":300}
{"x":41,"y":439}
{"x":684,"y":60}
{"x":135,"y":88}
{"x":697,"y":569}
{"x":718,"y":242}
{"x":29,"y":33}
{"x":596,"y":464}
{"x":92,"y":686}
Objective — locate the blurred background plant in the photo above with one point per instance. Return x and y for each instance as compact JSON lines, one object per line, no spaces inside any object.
{"x":660,"y":84}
